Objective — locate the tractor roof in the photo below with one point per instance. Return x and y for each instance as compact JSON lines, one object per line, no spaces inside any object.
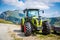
{"x":30,"y":9}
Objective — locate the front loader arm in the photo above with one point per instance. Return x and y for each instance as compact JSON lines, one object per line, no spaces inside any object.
{"x":36,"y":22}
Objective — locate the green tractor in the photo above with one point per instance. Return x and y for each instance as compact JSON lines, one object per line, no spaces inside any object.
{"x":33,"y":22}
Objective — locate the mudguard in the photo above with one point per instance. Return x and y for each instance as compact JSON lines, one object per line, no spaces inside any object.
{"x":22,"y":21}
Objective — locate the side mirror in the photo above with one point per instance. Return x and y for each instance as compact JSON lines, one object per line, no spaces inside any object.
{"x":41,"y":11}
{"x":24,"y":10}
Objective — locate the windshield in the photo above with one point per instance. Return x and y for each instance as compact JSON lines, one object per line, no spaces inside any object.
{"x":33,"y":13}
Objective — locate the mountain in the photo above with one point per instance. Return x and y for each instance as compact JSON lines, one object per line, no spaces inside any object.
{"x":55,"y":20}
{"x":52,"y":20}
{"x":14,"y":16}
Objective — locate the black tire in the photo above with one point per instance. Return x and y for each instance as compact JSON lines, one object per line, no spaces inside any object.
{"x":55,"y":32}
{"x":28,"y":29}
{"x":46,"y":28}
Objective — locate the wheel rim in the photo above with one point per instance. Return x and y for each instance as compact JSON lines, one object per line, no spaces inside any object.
{"x":24,"y":29}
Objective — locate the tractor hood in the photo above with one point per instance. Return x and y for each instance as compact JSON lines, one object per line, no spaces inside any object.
{"x":34,"y":17}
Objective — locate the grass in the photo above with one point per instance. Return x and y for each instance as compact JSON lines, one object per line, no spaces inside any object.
{"x":4,"y":21}
{"x":57,"y":23}
{"x":48,"y":37}
{"x":18,"y":39}
{"x":51,"y":36}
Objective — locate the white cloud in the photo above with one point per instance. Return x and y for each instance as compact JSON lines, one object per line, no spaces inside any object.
{"x":35,"y":4}
{"x":14,"y":3}
{"x":55,"y":0}
{"x":46,"y":1}
{"x":56,"y":14}
{"x":53,"y":14}
{"x":27,"y":4}
{"x":42,"y":4}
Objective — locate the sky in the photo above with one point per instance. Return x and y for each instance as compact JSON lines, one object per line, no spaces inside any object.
{"x":50,"y":7}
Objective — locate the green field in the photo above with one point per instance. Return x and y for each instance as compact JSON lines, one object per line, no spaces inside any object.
{"x":51,"y":36}
{"x":4,"y":21}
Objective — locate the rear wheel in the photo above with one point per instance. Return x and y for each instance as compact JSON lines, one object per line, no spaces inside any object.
{"x":27,"y":29}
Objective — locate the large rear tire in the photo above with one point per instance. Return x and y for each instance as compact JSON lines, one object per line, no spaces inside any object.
{"x":27,"y":29}
{"x":46,"y":28}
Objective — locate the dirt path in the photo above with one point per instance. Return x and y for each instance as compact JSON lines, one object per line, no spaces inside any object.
{"x":4,"y":32}
{"x":13,"y":32}
{"x":17,"y":31}
{"x":5,"y":29}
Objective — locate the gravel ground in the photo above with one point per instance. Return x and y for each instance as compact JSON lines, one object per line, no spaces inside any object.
{"x":13,"y":32}
{"x":5,"y":29}
{"x":4,"y":32}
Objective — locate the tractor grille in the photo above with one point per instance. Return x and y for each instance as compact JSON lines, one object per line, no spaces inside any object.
{"x":39,"y":22}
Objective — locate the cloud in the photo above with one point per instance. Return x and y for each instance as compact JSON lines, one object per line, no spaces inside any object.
{"x":36,"y":4}
{"x":14,"y":3}
{"x":27,"y":4}
{"x":56,"y":14}
{"x":42,"y":4}
{"x":47,"y":2}
{"x":55,"y":0}
{"x":53,"y":14}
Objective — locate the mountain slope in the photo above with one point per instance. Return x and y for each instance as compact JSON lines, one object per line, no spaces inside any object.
{"x":55,"y":20}
{"x":13,"y":16}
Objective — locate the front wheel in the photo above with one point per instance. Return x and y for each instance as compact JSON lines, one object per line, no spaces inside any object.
{"x":27,"y":29}
{"x":55,"y":31}
{"x":46,"y":28}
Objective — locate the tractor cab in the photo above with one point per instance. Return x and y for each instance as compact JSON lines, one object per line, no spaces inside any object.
{"x":32,"y":13}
